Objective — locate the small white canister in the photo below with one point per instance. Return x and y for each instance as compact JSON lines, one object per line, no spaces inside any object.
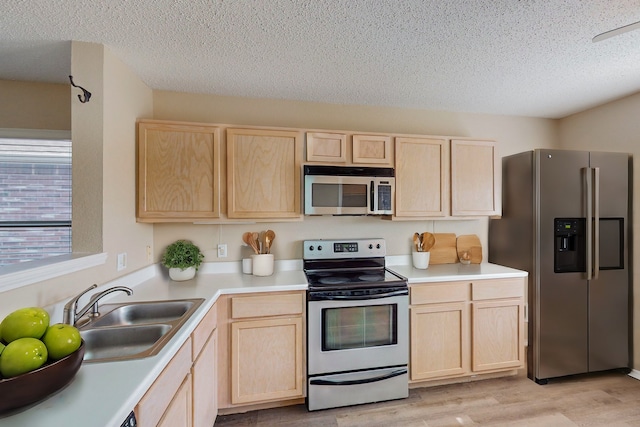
{"x":247,"y":266}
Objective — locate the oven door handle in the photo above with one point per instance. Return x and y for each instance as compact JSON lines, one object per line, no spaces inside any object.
{"x":320,"y":297}
{"x":362,"y":381}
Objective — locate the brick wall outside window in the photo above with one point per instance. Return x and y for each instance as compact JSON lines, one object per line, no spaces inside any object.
{"x":35,"y":186}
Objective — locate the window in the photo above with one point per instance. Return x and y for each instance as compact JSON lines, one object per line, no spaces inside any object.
{"x":35,"y":199}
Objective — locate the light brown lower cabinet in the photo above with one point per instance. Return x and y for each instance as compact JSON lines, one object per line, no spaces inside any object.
{"x":262,"y":348}
{"x":205,"y":384}
{"x":168,"y":397}
{"x":459,"y":329}
{"x":185,"y":393}
{"x":178,"y":412}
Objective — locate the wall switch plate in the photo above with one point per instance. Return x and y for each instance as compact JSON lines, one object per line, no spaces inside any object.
{"x":149,"y":254}
{"x":222,"y":250}
{"x":122,"y":261}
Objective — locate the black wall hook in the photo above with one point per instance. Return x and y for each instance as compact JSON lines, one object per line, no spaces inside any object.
{"x":86,"y":95}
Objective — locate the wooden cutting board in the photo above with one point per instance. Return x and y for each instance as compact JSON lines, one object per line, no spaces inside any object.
{"x":470,"y":243}
{"x":444,"y":251}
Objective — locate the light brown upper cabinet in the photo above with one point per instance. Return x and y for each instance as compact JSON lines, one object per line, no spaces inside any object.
{"x":422,"y":177}
{"x":475,"y":178}
{"x":178,"y":172}
{"x":347,"y":149}
{"x":326,"y":147}
{"x":438,"y":177}
{"x":263,"y":173}
{"x":372,"y":149}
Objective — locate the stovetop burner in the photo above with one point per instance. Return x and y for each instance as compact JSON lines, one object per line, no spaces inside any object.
{"x":336,"y":265}
{"x":353,"y":279}
{"x":332,"y":280}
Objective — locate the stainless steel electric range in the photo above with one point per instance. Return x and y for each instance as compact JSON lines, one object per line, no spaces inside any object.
{"x":357,"y":324}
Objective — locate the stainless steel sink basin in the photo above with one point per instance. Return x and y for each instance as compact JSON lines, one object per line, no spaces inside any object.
{"x":134,"y":330}
{"x":142,"y":312}
{"x":120,"y":343}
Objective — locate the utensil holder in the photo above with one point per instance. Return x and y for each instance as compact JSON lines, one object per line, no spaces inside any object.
{"x":262,"y":264}
{"x":421,"y":259}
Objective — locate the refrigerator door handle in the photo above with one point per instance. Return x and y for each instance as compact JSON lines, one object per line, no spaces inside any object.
{"x":596,"y":222}
{"x":589,"y":214}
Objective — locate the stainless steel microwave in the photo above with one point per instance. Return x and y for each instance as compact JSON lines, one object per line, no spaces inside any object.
{"x":345,"y":190}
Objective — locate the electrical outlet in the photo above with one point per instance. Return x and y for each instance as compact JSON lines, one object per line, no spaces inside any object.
{"x":222,"y":250}
{"x":149,"y":254}
{"x":122,"y":261}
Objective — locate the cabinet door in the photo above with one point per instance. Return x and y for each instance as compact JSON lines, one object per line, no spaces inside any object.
{"x":372,"y":149}
{"x":178,"y":172}
{"x":439,"y":340}
{"x":266,"y":360}
{"x":205,"y":384}
{"x":326,"y":147}
{"x":422,"y":177}
{"x":475,"y":178}
{"x":263,"y":173}
{"x":178,"y":412}
{"x":498,"y":334}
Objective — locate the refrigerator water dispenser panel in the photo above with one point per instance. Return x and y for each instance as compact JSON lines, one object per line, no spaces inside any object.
{"x":569,"y":245}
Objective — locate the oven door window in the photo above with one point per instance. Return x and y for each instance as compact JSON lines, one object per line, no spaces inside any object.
{"x":359,"y":327}
{"x":339,"y":195}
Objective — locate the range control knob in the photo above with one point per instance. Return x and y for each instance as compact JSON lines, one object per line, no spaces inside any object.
{"x":319,"y":248}
{"x":370,"y":246}
{"x":378,"y":246}
{"x":311,"y":248}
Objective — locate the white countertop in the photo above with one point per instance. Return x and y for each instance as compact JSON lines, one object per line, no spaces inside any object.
{"x":103,"y":394}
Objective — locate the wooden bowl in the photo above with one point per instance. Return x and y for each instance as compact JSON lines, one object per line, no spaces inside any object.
{"x":33,"y":386}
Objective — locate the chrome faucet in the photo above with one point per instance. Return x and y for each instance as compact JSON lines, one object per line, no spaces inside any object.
{"x":71,"y":314}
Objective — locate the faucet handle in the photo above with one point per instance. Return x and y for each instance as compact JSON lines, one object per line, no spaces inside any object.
{"x":70,"y":307}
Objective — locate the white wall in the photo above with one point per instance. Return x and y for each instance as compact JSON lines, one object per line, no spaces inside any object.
{"x":613,"y":127}
{"x":103,"y":134}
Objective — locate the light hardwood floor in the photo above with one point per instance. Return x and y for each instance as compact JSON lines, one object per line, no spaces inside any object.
{"x":603,"y":399}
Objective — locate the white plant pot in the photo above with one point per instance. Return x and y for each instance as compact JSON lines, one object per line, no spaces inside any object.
{"x":180,"y":275}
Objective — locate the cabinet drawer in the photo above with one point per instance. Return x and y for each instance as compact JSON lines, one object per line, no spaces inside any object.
{"x":267,"y":305}
{"x":429,"y":293}
{"x":204,"y":330}
{"x":495,"y":289}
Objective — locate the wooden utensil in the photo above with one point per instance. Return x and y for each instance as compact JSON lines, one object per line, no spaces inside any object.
{"x":269,"y":237}
{"x":428,"y":241}
{"x":248,"y":239}
{"x":255,"y":236}
{"x":416,"y":242}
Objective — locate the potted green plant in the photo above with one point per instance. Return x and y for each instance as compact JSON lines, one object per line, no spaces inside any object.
{"x":182,"y":258}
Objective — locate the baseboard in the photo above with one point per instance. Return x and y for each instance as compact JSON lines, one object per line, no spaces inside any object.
{"x":635,"y":374}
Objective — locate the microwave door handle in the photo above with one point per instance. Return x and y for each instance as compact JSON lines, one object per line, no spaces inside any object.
{"x":372,"y":197}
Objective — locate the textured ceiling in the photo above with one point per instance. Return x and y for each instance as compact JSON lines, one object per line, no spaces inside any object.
{"x":527,"y":57}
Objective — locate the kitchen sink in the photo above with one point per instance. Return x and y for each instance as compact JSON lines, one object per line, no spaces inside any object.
{"x":134,"y":330}
{"x":142,"y":312}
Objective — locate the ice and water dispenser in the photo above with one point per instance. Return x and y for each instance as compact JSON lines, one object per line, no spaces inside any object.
{"x":569,"y":245}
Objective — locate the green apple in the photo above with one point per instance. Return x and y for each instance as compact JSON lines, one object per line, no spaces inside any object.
{"x":21,"y":356}
{"x":28,"y":322}
{"x":2,"y":346}
{"x":61,"y":340}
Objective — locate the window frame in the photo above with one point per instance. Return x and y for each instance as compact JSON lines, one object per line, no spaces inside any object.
{"x":14,"y":276}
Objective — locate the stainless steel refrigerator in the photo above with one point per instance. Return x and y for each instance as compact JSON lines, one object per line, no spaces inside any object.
{"x":566,"y":221}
